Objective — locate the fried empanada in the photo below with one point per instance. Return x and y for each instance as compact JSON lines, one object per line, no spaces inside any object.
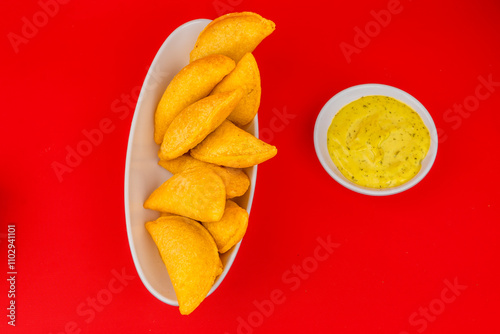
{"x":194,"y":82}
{"x":245,"y":75}
{"x":190,"y":255}
{"x":228,"y":231}
{"x":235,"y":180}
{"x":197,"y":193}
{"x":232,"y":35}
{"x":231,"y":146}
{"x":196,"y":121}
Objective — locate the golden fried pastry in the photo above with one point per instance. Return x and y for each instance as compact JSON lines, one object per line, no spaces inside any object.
{"x":228,"y":231}
{"x":195,"y":81}
{"x":190,"y":255}
{"x":232,"y":35}
{"x":235,"y":180}
{"x":197,"y":193}
{"x":233,"y":147}
{"x":196,"y":121}
{"x":245,"y":75}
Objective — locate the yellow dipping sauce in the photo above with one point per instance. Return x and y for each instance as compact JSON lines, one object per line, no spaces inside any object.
{"x":378,"y":142}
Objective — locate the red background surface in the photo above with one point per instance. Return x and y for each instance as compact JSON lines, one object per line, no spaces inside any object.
{"x":395,"y":254}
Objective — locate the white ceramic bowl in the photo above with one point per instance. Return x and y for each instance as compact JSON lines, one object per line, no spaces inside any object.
{"x":143,"y":174}
{"x":348,"y":95}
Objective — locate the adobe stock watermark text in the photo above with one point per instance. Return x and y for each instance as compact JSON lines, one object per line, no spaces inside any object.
{"x":293,"y":279}
{"x":11,"y":274}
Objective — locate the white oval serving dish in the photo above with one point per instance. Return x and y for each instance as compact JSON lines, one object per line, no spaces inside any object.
{"x":143,"y":174}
